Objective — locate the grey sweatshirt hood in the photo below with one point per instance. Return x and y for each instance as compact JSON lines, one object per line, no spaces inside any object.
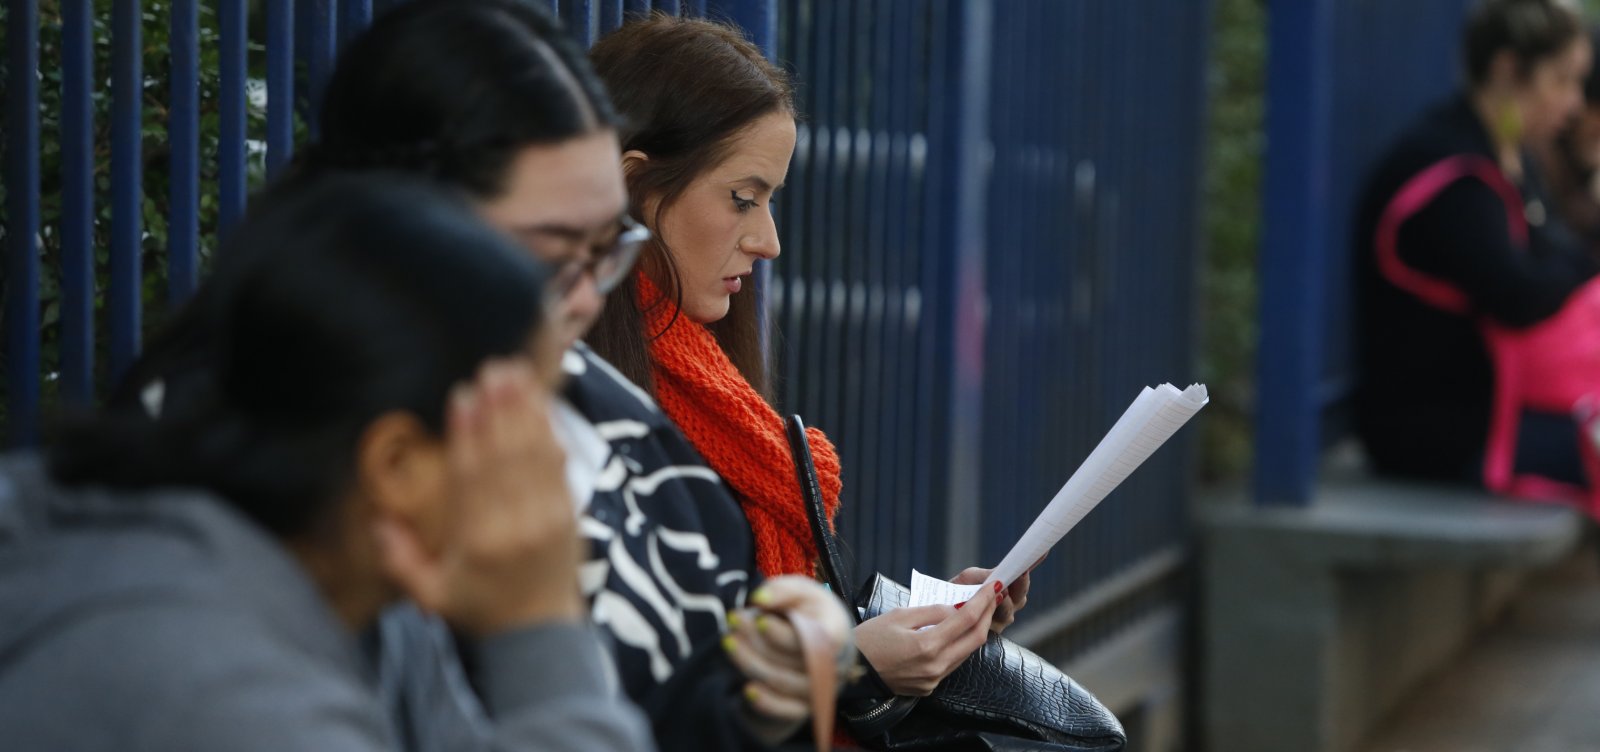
{"x":167,"y":621}
{"x":66,"y":553}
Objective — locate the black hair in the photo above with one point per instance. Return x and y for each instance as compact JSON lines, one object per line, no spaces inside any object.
{"x":1531,"y":30}
{"x":335,"y":302}
{"x":453,"y":89}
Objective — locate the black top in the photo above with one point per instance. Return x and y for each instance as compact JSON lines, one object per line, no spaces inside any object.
{"x":670,"y":554}
{"x":1422,"y":403}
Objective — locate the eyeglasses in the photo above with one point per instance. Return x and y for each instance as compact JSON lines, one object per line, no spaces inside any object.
{"x":609,"y":264}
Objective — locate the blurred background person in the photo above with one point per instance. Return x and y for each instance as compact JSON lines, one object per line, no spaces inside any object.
{"x":1476,"y":323}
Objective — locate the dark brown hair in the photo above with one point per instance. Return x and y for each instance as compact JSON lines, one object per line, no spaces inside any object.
{"x":1531,"y":30}
{"x":685,"y":89}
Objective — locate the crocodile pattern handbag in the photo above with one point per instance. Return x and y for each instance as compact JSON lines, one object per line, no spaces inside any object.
{"x":1003,"y":697}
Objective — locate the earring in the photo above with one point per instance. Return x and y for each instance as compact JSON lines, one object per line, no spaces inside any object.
{"x":1508,"y":126}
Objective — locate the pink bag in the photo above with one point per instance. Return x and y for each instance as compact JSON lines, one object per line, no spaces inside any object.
{"x":1552,"y":366}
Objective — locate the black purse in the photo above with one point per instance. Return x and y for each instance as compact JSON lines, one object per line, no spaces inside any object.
{"x":1003,"y":697}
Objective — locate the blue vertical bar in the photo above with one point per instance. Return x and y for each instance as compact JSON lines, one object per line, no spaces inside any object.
{"x":792,"y":212}
{"x":578,"y":15}
{"x":77,"y":202}
{"x":280,"y":84}
{"x":669,"y":7}
{"x":321,"y":45}
{"x":183,"y":125}
{"x":830,"y":369}
{"x":610,"y":15}
{"x":759,"y":20}
{"x":821,"y":119}
{"x":233,"y":39}
{"x":879,"y":434}
{"x":1294,"y":249}
{"x":905,"y":123}
{"x":1201,"y":35}
{"x":127,"y":192}
{"x":962,"y":105}
{"x":1002,"y":405}
{"x":22,"y":206}
{"x":354,"y":16}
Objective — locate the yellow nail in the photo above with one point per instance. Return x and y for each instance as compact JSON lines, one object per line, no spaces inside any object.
{"x":728,"y":644}
{"x":750,"y":693}
{"x":761,"y":597}
{"x":761,"y":624}
{"x":734,"y":621}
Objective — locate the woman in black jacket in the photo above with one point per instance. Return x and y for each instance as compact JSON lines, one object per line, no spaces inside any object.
{"x":1469,"y":287}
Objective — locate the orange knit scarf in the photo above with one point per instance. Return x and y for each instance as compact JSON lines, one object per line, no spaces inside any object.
{"x":739,"y":434}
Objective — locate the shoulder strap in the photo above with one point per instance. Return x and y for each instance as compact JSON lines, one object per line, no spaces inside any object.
{"x":831,"y":559}
{"x":1413,"y":197}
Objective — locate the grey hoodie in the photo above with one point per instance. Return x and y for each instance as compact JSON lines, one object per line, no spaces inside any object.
{"x":166,"y":621}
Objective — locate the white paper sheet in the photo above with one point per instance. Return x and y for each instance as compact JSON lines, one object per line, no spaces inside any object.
{"x":929,"y":591}
{"x":1147,"y":424}
{"x":1152,"y":419}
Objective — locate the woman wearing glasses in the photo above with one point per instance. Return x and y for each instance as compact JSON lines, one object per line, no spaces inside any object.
{"x":491,"y":97}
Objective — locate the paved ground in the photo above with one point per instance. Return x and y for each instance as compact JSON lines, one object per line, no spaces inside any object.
{"x":1531,"y":684}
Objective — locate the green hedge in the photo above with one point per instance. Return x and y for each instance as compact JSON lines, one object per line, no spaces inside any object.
{"x":155,"y":28}
{"x":1232,"y":224}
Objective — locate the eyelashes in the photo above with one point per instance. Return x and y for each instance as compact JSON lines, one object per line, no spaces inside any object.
{"x":742,"y":204}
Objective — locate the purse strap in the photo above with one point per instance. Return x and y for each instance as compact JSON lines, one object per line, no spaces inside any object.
{"x":835,"y":571}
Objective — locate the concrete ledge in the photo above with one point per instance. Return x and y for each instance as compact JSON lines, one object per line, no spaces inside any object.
{"x":1138,"y":674}
{"x":1381,"y":523}
{"x":1318,"y":620}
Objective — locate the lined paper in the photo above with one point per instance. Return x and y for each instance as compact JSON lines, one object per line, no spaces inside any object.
{"x":1153,"y":418}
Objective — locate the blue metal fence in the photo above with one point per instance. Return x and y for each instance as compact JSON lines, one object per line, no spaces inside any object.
{"x":1343,"y":79}
{"x":989,"y":248}
{"x":990,"y":239}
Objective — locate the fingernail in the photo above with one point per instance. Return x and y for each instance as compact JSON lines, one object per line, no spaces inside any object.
{"x":729,"y":645}
{"x":959,"y":605}
{"x":734,"y":621}
{"x":998,"y":587}
{"x":751,"y":694}
{"x":761,"y":597}
{"x":761,"y":624}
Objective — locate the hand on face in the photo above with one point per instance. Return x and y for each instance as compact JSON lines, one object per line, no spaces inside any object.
{"x":509,"y":553}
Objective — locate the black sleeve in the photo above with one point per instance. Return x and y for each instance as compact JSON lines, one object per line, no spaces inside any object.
{"x":867,"y":707}
{"x":1463,"y":237}
{"x":700,"y":707}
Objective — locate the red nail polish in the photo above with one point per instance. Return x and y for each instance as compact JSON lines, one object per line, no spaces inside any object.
{"x":997,"y":587}
{"x":959,"y":605}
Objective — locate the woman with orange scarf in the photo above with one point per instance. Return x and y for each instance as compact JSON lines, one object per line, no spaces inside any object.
{"x":710,"y":129}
